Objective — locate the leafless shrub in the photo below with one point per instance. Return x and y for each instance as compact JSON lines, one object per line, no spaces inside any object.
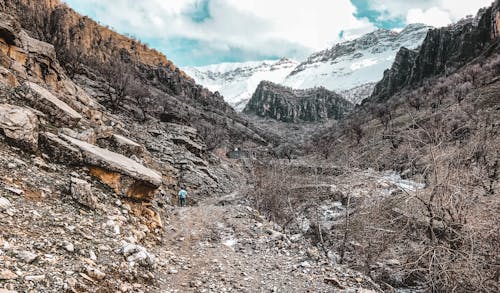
{"x":273,"y":194}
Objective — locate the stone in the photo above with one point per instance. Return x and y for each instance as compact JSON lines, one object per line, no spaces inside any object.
{"x":19,"y":125}
{"x":7,"y":291}
{"x":59,"y":150}
{"x":36,"y":278}
{"x":95,"y":273}
{"x":69,"y":247}
{"x":137,"y":254}
{"x":27,"y":256}
{"x":127,"y":146}
{"x":6,"y":274}
{"x":81,"y":191}
{"x":87,"y":135}
{"x":14,"y":190}
{"x":191,"y":145}
{"x":58,"y":111}
{"x":126,"y":176}
{"x":4,"y":203}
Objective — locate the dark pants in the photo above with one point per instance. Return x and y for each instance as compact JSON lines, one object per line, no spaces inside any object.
{"x":182,"y":202}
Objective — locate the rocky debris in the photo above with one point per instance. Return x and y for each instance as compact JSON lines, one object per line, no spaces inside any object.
{"x":6,"y":274}
{"x":27,"y":256}
{"x":81,"y":191}
{"x":58,"y":111}
{"x":192,"y":146}
{"x":137,"y":254}
{"x":288,"y":105}
{"x":20,"y":125}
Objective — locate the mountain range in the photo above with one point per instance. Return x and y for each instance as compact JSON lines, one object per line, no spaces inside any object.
{"x":350,"y":68}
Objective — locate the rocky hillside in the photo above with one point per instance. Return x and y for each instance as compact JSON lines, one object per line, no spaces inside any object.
{"x":433,"y":119}
{"x":285,"y":104}
{"x":79,"y":41}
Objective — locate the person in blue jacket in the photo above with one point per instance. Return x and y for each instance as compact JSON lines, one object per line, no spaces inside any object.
{"x":182,"y":197}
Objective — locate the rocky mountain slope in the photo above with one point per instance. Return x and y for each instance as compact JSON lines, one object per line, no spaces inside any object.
{"x":433,"y":119}
{"x":236,"y":82}
{"x":285,"y":104}
{"x":350,"y":68}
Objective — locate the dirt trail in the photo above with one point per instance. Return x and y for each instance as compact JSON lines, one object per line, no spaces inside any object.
{"x":230,"y":248}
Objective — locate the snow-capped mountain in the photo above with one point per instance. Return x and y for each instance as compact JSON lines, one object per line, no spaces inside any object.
{"x":355,"y":64}
{"x":350,"y":68}
{"x":238,"y":81}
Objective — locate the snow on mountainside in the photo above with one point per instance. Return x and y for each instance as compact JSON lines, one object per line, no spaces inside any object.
{"x":357,"y":63}
{"x":350,"y":68}
{"x":238,"y":81}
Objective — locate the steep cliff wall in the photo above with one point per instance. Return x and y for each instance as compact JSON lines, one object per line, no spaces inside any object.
{"x":443,"y":51}
{"x":287,"y":105}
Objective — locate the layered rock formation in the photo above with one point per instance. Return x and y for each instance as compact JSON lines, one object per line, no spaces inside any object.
{"x":443,"y":51}
{"x":145,"y":145}
{"x":288,"y":105}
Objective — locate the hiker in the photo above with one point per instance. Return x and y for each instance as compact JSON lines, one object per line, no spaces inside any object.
{"x":182,"y":197}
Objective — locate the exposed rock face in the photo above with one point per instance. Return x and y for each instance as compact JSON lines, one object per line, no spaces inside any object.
{"x":288,"y":105}
{"x":58,"y":111}
{"x":20,"y":125}
{"x":79,"y":38}
{"x":399,"y":74}
{"x":443,"y":51}
{"x":116,"y":170}
{"x":59,"y":150}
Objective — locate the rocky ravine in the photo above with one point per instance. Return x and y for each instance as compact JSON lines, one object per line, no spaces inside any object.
{"x":86,"y":194}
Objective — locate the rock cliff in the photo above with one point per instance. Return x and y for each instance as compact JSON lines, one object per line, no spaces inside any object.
{"x":288,"y":105}
{"x":443,"y":51}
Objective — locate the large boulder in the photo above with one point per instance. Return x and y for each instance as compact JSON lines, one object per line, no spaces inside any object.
{"x":58,"y":111}
{"x":19,"y":125}
{"x":127,"y":177}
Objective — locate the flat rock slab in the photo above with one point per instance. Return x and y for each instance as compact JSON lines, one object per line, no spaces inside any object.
{"x":108,"y":160}
{"x":58,"y":111}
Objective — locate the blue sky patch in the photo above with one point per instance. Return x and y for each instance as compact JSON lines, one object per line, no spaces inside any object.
{"x":200,"y":11}
{"x":379,"y":19}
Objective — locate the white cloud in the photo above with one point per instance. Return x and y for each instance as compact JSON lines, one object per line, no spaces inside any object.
{"x":432,"y":12}
{"x":433,"y":16}
{"x":246,"y":24}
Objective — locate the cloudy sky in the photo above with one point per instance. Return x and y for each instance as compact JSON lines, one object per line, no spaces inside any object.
{"x":201,"y":32}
